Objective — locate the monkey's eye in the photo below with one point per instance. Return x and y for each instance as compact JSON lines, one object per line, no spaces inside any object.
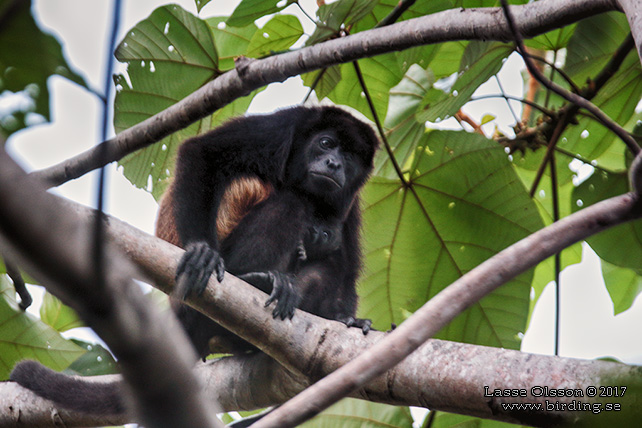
{"x":327,"y":143}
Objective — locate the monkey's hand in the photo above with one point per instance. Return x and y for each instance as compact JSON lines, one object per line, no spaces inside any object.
{"x":363,"y":323}
{"x":281,"y":288}
{"x":196,"y":267}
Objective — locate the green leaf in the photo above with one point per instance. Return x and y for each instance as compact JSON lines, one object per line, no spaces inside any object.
{"x":337,"y":15}
{"x":405,"y":98}
{"x":329,"y":79}
{"x":200,"y":4}
{"x":160,"y":77}
{"x":249,"y":11}
{"x":451,"y":420}
{"x":553,"y":40}
{"x":174,"y":36}
{"x":383,"y":8}
{"x":278,"y":34}
{"x":623,"y":285}
{"x":526,"y":167}
{"x":620,"y":245}
{"x":466,"y":204}
{"x":448,"y":59}
{"x":593,"y":43}
{"x":231,"y":42}
{"x":353,"y":413}
{"x":379,"y":73}
{"x":24,"y":336}
{"x":28,"y":56}
{"x":481,"y":60}
{"x":487,"y":118}
{"x":95,"y":362}
{"x":57,"y":315}
{"x":617,"y":99}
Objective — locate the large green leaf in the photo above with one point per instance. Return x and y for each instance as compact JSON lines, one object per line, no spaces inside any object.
{"x":231,"y":42}
{"x":553,"y":40}
{"x":24,"y":336}
{"x":353,"y":413}
{"x":337,"y":15}
{"x":464,"y":203}
{"x":618,"y":99}
{"x":405,"y":131}
{"x":324,"y":81}
{"x":249,"y":11}
{"x":448,"y":58}
{"x":278,"y":34}
{"x":28,"y":56}
{"x":620,"y":245}
{"x":380,"y":73}
{"x":593,"y":43}
{"x":623,"y":285}
{"x":481,"y":60}
{"x":383,"y":8}
{"x":169,"y":55}
{"x":57,"y":315}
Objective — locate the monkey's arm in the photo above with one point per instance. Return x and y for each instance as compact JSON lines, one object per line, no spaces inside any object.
{"x":206,"y":165}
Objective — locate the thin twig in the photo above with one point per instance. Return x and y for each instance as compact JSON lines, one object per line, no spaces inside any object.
{"x":396,"y":13}
{"x":536,"y":106}
{"x":557,"y":70}
{"x":569,"y":96}
{"x":557,"y":133}
{"x":382,"y":134}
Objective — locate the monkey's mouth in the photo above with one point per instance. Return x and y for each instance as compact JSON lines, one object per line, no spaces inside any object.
{"x":326,"y":180}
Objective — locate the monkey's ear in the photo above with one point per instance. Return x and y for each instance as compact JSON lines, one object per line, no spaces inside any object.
{"x":286,"y":125}
{"x":284,"y":150}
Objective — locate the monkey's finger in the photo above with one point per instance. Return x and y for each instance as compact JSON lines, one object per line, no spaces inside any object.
{"x":220,"y":270}
{"x":366,"y":326}
{"x":349,"y":321}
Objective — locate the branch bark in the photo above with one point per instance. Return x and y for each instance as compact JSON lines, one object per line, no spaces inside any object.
{"x":448,"y":303}
{"x":324,"y":346}
{"x":153,"y":352}
{"x":633,"y":11}
{"x":454,"y":24}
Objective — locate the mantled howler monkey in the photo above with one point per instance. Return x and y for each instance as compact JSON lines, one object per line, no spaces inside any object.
{"x":271,"y":198}
{"x":311,"y":163}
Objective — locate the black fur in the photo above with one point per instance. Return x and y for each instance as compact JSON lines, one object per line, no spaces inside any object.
{"x":69,"y":392}
{"x":301,"y":244}
{"x":317,"y":159}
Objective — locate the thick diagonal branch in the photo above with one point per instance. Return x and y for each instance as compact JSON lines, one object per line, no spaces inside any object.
{"x":39,"y":231}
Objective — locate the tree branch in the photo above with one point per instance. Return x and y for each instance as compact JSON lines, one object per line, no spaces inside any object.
{"x":460,"y":370}
{"x":454,"y":24}
{"x":323,"y":346}
{"x":41,"y":233}
{"x":576,"y":99}
{"x":633,"y":11}
{"x":453,"y":300}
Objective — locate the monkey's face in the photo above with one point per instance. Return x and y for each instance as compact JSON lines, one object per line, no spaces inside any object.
{"x":329,"y":167}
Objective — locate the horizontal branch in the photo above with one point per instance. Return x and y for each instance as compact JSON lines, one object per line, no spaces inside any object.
{"x":455,"y":24}
{"x":440,"y":375}
{"x":324,"y":346}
